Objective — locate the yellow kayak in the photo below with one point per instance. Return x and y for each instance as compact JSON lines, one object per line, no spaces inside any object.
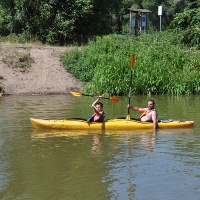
{"x":111,"y":124}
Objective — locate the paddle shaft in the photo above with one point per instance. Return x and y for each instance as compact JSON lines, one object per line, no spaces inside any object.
{"x":132,"y":65}
{"x":113,"y":99}
{"x":129,"y":97}
{"x":89,"y":95}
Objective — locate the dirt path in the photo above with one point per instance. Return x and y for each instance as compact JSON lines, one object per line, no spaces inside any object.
{"x":46,"y":74}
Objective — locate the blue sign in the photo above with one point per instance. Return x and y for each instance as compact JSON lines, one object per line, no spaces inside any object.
{"x":133,"y":20}
{"x":144,"y":20}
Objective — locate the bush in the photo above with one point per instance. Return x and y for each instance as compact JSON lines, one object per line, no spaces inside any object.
{"x":163,"y":66}
{"x":187,"y":24}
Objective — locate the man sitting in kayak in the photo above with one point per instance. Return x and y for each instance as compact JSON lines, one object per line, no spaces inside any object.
{"x":148,"y":114}
{"x":99,"y":114}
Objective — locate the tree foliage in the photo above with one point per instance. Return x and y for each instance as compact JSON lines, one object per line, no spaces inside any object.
{"x":50,"y":21}
{"x":69,"y":21}
{"x":193,"y":4}
{"x":188,"y":24}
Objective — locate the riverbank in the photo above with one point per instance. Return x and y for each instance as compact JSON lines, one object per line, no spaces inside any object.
{"x":34,"y":70}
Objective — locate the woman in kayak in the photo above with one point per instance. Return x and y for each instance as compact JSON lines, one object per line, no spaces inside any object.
{"x":149,"y":114}
{"x":99,"y":114}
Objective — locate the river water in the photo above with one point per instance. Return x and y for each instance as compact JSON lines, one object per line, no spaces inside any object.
{"x":87,"y":165}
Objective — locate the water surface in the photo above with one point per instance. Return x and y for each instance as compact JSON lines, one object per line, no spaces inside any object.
{"x":137,"y":164}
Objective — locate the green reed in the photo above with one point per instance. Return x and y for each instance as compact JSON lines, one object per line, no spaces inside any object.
{"x":163,"y":65}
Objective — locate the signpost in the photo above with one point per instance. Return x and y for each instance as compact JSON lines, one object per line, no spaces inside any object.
{"x":144,"y":24}
{"x":160,"y":14}
{"x":138,"y":21}
{"x":133,"y":23}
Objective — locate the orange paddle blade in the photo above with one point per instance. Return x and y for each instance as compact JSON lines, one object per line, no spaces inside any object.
{"x":133,"y":58}
{"x":114,"y":99}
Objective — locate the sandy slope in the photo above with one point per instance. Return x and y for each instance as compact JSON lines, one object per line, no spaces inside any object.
{"x":46,"y":74}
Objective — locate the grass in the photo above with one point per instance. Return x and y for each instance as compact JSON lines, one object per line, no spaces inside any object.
{"x":16,"y":59}
{"x":18,"y":39}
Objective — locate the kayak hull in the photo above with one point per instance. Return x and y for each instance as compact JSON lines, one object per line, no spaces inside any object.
{"x":112,"y":124}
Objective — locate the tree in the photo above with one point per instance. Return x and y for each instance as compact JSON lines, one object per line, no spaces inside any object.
{"x":50,"y":21}
{"x":188,"y":23}
{"x":193,"y":4}
{"x":69,"y":21}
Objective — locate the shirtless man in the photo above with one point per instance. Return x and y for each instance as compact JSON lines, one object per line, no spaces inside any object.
{"x":148,"y":114}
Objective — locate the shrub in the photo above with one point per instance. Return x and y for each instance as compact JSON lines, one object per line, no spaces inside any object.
{"x":163,"y":65}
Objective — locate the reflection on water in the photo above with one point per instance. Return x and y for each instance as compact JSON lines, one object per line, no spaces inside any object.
{"x":37,"y":133}
{"x":42,"y":133}
{"x":97,"y":147}
{"x":63,"y":164}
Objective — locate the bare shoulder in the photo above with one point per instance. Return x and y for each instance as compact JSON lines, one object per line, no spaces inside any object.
{"x":154,"y":111}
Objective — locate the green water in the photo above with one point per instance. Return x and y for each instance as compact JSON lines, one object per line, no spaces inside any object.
{"x":50,"y":164}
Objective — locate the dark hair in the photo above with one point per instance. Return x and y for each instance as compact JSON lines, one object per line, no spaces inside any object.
{"x":99,"y":103}
{"x":152,"y":101}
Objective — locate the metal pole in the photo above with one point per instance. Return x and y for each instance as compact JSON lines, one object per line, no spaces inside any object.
{"x":130,"y":30}
{"x":160,"y":23}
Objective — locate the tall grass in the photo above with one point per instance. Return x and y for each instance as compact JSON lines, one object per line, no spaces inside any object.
{"x":19,"y":39}
{"x":163,"y":65}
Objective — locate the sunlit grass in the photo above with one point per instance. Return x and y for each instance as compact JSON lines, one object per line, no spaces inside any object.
{"x":18,"y":40}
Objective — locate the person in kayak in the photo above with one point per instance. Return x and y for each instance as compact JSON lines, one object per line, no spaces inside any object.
{"x":99,"y":114}
{"x":149,"y":114}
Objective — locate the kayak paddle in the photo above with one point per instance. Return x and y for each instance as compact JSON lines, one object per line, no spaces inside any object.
{"x":113,"y":99}
{"x":133,"y":58}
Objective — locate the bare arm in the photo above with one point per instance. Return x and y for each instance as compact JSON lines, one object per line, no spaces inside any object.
{"x":136,"y":108}
{"x":94,"y":105}
{"x":154,"y":119}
